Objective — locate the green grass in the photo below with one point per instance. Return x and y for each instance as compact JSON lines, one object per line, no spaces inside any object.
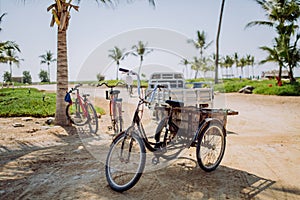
{"x":23,"y":102}
{"x":26,"y":102}
{"x":266,"y":87}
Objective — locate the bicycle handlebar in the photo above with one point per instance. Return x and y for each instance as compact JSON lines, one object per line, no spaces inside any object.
{"x":112,"y":86}
{"x":75,"y":88}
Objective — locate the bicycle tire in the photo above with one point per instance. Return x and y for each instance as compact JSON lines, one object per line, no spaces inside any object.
{"x":75,"y":114}
{"x":123,"y":170}
{"x":211,"y":146}
{"x":93,"y":119}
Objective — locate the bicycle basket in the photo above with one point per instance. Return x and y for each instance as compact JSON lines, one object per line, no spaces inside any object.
{"x":68,"y":98}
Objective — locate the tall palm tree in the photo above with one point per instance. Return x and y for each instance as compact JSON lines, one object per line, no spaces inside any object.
{"x":217,"y":41}
{"x":117,"y":55}
{"x":141,"y":50}
{"x":60,"y":11}
{"x":12,"y":58}
{"x":47,"y":59}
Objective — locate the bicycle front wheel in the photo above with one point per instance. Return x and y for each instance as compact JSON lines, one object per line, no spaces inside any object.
{"x":93,"y":119}
{"x":125,"y":162}
{"x":211,"y":146}
{"x":75,"y":113}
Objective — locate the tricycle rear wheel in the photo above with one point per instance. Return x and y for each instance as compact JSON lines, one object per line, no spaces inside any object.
{"x":211,"y":146}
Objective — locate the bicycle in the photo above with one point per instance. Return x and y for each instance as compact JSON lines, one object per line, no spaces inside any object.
{"x":81,"y":111}
{"x":115,"y":106}
{"x":126,"y":158}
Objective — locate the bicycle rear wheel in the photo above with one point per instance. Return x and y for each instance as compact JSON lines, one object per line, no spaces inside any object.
{"x":211,"y":146}
{"x":125,"y":162}
{"x":75,"y":113}
{"x":93,"y":119}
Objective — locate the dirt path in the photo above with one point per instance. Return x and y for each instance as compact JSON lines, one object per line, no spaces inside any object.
{"x":262,"y":159}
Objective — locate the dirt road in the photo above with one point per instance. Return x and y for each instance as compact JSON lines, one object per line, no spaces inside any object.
{"x":262,"y":159}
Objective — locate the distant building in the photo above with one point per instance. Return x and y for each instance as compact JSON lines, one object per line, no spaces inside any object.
{"x":274,"y":73}
{"x":17,"y":79}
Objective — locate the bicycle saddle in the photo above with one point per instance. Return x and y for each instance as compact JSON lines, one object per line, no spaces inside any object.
{"x":114,"y":92}
{"x":175,"y":103}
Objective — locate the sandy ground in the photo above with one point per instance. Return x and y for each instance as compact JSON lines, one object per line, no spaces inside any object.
{"x":262,"y":159}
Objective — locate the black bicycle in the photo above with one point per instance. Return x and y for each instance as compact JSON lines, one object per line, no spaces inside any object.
{"x":205,"y":130}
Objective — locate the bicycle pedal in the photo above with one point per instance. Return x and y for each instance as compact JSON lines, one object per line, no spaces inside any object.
{"x":155,"y":160}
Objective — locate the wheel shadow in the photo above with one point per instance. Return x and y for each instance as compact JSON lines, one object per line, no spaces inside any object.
{"x":185,"y":180}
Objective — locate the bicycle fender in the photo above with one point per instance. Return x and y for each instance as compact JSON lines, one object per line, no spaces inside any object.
{"x":205,"y":123}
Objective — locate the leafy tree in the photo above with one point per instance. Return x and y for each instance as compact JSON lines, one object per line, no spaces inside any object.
{"x":43,"y":75}
{"x":27,"y":77}
{"x":7,"y":77}
{"x":140,"y":50}
{"x":47,"y":58}
{"x":117,"y":55}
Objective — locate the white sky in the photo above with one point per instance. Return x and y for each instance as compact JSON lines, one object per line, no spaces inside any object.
{"x":100,"y":27}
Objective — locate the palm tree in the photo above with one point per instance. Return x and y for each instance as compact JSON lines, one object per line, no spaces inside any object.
{"x":236,"y":61}
{"x":140,"y":50}
{"x":61,"y":15}
{"x":227,"y":63}
{"x":217,"y":41}
{"x":185,"y":62}
{"x":281,"y":15}
{"x":47,"y":59}
{"x":12,"y":58}
{"x":196,"y":65}
{"x":4,"y":46}
{"x":117,"y":55}
{"x":250,"y":62}
{"x":200,"y":43}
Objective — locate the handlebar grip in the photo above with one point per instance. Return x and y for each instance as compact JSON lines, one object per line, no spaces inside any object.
{"x":123,"y":70}
{"x":160,"y":86}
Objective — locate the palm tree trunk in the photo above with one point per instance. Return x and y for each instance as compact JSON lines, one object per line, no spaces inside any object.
{"x":10,"y":66}
{"x":62,"y":78}
{"x":49,"y":73}
{"x":217,"y":42}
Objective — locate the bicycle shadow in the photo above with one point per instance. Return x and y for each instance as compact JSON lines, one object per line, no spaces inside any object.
{"x":185,"y":180}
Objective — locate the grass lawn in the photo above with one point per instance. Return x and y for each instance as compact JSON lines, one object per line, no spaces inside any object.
{"x":21,"y":102}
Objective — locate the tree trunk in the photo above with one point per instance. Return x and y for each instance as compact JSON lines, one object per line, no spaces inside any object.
{"x":291,"y":75}
{"x":49,"y":73}
{"x":62,"y":78}
{"x":217,"y":42}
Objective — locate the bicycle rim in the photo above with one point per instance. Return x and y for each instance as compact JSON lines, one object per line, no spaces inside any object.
{"x":75,"y":114}
{"x":211,"y":147}
{"x":125,"y":162}
{"x":93,"y":119}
